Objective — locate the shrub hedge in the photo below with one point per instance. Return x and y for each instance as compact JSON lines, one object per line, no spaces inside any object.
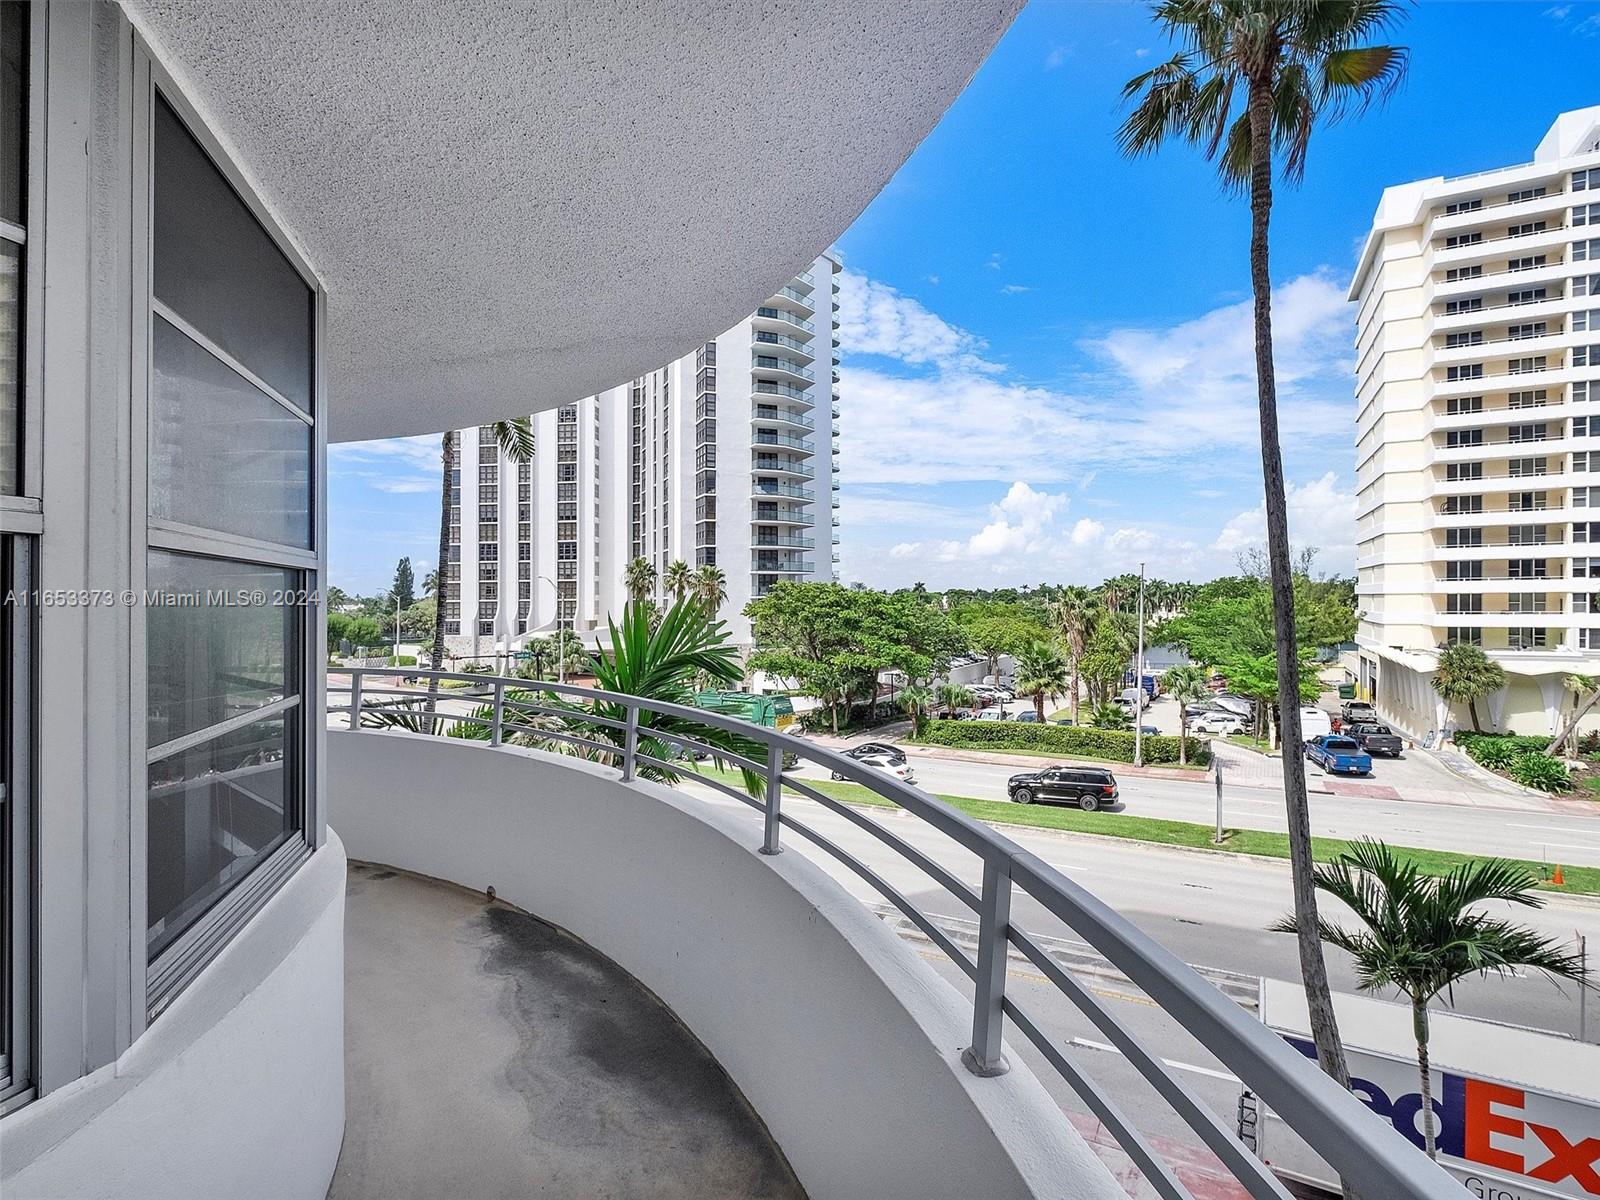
{"x":1069,"y":741}
{"x":1521,"y":756}
{"x":1540,"y":771}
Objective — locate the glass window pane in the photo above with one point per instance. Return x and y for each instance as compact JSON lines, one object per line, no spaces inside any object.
{"x":223,"y":454}
{"x":215,"y":812}
{"x":214,"y":653}
{"x":10,"y":363}
{"x":219,"y":270}
{"x":13,"y":110}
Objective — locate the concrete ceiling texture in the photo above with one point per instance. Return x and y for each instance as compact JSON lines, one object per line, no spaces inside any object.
{"x":513,"y":205}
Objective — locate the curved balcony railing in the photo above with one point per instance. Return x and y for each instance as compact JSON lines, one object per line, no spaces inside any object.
{"x":777,"y":314}
{"x":1369,"y":1154}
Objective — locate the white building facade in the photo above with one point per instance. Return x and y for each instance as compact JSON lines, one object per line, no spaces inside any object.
{"x":1478,"y":433}
{"x":727,"y":457}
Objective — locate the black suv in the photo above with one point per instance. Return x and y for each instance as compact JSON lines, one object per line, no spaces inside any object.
{"x":1087,"y":787}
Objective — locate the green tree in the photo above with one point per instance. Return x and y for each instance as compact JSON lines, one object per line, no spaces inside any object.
{"x":404,"y":589}
{"x":678,"y":579}
{"x":1041,"y":671}
{"x":711,"y":587}
{"x":1585,"y":691}
{"x":996,"y":633}
{"x":416,"y":621}
{"x":1105,"y":660}
{"x":1073,"y":613}
{"x":1422,"y":934}
{"x":1110,"y":716}
{"x":916,"y":699}
{"x":1256,"y":677}
{"x":1464,"y":674}
{"x":833,"y":640}
{"x":1186,"y":685}
{"x":1294,"y":62}
{"x":953,"y":696}
{"x":639,"y":577}
{"x":515,"y":439}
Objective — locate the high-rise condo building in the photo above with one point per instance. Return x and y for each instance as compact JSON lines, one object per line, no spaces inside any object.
{"x":726,"y":457}
{"x":1478,"y":432}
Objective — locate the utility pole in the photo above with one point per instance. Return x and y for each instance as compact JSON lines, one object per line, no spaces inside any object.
{"x":1138,"y":682}
{"x":397,"y":624}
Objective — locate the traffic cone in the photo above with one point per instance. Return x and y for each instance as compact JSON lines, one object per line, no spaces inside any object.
{"x":1556,"y":878}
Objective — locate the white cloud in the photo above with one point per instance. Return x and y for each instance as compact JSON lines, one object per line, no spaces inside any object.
{"x":1321,"y":515}
{"x":1015,"y":289}
{"x":874,"y":318}
{"x":401,"y":487}
{"x":1152,"y":398}
{"x":1087,"y":532}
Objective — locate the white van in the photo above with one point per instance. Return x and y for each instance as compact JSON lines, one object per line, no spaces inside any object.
{"x":1314,"y":722}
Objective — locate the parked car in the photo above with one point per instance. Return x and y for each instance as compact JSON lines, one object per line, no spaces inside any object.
{"x":1337,"y":754}
{"x":1242,"y":705}
{"x":1359,"y":712}
{"x":1063,"y":721}
{"x":1220,"y":721}
{"x":1149,"y":731}
{"x":1027,"y":716}
{"x":874,"y":750}
{"x":896,"y":770}
{"x":1087,"y":787}
{"x":1375,"y":738}
{"x":992,"y":714}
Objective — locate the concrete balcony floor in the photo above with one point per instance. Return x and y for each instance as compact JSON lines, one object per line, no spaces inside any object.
{"x":490,"y":1056}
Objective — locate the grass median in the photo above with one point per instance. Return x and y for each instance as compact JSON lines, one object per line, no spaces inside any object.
{"x":1579,"y":881}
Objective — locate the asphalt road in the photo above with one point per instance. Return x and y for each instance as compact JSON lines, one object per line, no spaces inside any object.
{"x":1211,"y":910}
{"x":1478,"y":830}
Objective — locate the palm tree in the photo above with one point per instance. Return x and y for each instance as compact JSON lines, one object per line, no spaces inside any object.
{"x":1041,"y":670}
{"x":515,"y":439}
{"x":711,"y":587}
{"x":1464,"y":674}
{"x":639,"y":577}
{"x":1586,"y":693}
{"x":1422,"y":933}
{"x":1294,"y":62}
{"x":679,"y":578}
{"x":916,"y":698}
{"x":952,"y":696}
{"x":1186,"y":685}
{"x":1110,"y":716}
{"x":1073,"y":612}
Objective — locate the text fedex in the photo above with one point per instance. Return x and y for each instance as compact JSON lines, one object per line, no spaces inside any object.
{"x":1549,"y":1142}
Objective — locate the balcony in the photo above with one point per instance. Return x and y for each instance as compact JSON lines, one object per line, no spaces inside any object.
{"x":763,"y":366}
{"x":771,"y":414}
{"x":768,"y":317}
{"x":762,"y":387}
{"x":765,"y":438}
{"x":683,"y":890}
{"x":795,"y":300}
{"x":768,"y":487}
{"x":799,"y":543}
{"x":773,"y":515}
{"x":801,"y":350}
{"x":786,"y":466}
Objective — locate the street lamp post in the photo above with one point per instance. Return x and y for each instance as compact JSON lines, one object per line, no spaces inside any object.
{"x":1138,"y":682}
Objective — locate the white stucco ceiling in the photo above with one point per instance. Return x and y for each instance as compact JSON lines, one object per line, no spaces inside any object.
{"x":514,"y":205}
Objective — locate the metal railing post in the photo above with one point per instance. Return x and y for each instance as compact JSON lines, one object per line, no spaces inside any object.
{"x":983,"y":1057}
{"x":769,"y":838}
{"x":355,"y":698}
{"x":630,"y":744}
{"x":498,"y":722}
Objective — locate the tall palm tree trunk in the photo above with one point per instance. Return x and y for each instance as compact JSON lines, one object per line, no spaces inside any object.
{"x":1183,"y":738}
{"x":1419,"y":1023}
{"x":443,"y":570}
{"x":1313,"y":967}
{"x":1571,"y":727}
{"x":1074,"y":689}
{"x":1472,"y":711}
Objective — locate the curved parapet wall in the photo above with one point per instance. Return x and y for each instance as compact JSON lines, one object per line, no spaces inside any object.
{"x":236,"y":1090}
{"x":845,"y":1043}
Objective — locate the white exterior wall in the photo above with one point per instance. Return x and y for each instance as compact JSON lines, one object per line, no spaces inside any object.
{"x":668,"y":525}
{"x":1441,"y":558}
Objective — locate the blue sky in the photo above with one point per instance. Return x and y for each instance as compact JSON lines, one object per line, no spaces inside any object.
{"x":1047,"y":360}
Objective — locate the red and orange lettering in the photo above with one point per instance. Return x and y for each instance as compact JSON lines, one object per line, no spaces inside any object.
{"x":1482,"y":1122}
{"x":1567,"y":1159}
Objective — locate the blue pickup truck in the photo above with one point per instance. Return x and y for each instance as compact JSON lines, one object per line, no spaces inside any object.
{"x":1337,"y":754}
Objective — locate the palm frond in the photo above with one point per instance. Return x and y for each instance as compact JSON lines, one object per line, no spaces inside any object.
{"x":515,"y":438}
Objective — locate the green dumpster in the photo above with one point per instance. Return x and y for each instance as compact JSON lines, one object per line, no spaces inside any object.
{"x":1347,"y":691}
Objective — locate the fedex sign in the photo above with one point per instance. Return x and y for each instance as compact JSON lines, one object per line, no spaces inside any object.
{"x":1490,"y":1134}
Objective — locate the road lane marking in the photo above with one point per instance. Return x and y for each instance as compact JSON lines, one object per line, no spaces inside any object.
{"x":1068,"y":866}
{"x":1208,"y":1072}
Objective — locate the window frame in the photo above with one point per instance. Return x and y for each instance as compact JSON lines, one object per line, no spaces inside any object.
{"x":159,"y":979}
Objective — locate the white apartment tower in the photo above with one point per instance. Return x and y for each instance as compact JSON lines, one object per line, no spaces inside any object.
{"x":1478,"y":432}
{"x":713,"y":459}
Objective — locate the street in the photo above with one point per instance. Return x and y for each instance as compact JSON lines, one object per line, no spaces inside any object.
{"x":1253,"y":799}
{"x":1212,"y":910}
